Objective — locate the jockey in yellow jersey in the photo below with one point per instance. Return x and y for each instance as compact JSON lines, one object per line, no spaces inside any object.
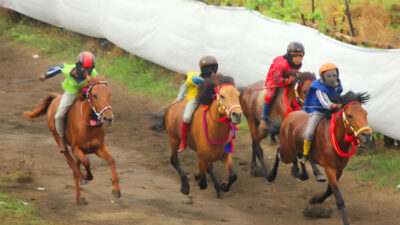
{"x":208,"y":67}
{"x":75,"y":79}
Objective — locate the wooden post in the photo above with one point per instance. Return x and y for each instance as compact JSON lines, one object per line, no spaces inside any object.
{"x":282,"y":3}
{"x":349,"y":18}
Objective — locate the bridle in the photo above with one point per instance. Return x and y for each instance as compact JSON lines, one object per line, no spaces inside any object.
{"x":221,"y":106}
{"x":347,"y":123}
{"x":89,"y":98}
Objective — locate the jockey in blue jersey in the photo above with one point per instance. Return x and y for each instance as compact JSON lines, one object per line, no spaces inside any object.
{"x":75,"y":80}
{"x":318,"y":101}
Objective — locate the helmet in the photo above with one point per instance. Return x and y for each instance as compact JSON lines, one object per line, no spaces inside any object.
{"x":86,"y":59}
{"x":329,"y":74}
{"x":295,"y":47}
{"x":208,"y":65}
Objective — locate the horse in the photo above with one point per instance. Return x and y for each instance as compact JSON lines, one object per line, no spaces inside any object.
{"x":84,"y":130}
{"x":211,"y":131}
{"x":287,"y":99}
{"x":331,"y":146}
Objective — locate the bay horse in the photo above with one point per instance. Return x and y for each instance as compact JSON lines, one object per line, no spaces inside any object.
{"x":211,"y":131}
{"x":287,"y":99}
{"x":331,"y":146}
{"x":84,"y":130}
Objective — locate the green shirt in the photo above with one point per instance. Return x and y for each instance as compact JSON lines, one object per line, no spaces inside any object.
{"x":70,"y":85}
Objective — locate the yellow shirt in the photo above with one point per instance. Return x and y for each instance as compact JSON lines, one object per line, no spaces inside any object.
{"x":192,"y":87}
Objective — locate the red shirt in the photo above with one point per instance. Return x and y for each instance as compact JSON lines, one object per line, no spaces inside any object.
{"x":276,"y":72}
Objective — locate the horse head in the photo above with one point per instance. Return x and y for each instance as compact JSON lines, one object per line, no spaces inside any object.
{"x":355,"y":117}
{"x":304,"y":81}
{"x":222,"y":89}
{"x":99,"y":98}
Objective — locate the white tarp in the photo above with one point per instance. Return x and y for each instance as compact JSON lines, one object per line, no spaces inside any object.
{"x":177,"y":33}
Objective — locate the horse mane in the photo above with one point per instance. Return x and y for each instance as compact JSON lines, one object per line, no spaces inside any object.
{"x":350,"y":96}
{"x":207,"y":88}
{"x":81,"y":95}
{"x":303,"y":76}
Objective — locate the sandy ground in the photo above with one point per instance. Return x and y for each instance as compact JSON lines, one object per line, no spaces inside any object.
{"x":149,"y":184}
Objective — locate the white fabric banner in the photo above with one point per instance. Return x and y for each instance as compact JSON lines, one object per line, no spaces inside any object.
{"x":177,"y":33}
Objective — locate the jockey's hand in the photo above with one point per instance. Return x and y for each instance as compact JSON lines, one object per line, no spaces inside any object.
{"x":291,"y":79}
{"x":336,"y":106}
{"x":42,"y":77}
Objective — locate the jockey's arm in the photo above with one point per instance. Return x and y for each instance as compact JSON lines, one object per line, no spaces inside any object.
{"x":53,"y":71}
{"x":324,"y":100}
{"x":182,"y":92}
{"x":280,"y":80}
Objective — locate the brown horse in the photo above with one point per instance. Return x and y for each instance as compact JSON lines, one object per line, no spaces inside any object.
{"x":287,"y":99}
{"x":84,"y":130}
{"x":331,"y":145}
{"x":211,"y":130}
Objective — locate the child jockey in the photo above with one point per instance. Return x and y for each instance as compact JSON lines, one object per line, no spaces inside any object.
{"x":208,"y":67}
{"x":75,"y":79}
{"x":280,"y":67}
{"x":318,"y":101}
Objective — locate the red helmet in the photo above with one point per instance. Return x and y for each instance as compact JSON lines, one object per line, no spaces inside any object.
{"x":86,"y":59}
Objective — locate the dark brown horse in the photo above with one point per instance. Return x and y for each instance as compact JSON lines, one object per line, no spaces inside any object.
{"x":335,"y":140}
{"x":287,"y":99}
{"x":84,"y":130}
{"x":211,"y":130}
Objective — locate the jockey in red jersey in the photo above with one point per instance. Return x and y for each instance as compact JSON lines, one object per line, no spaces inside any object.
{"x":278,"y":72}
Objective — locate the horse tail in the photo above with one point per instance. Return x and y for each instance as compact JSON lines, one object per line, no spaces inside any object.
{"x":159,"y":121}
{"x":42,"y":109}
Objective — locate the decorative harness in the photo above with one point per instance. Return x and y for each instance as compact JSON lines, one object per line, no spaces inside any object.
{"x":225,"y":119}
{"x":98,"y":121}
{"x":349,"y":138}
{"x":296,"y":102}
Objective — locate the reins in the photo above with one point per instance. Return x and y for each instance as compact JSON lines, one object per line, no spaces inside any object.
{"x":296,"y":102}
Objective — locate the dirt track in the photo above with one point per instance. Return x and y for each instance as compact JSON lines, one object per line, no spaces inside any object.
{"x":149,"y":184}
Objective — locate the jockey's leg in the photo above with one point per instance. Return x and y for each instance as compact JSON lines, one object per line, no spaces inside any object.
{"x":309,"y":134}
{"x":67,"y":99}
{"x":187,"y":118}
{"x":267,"y":106}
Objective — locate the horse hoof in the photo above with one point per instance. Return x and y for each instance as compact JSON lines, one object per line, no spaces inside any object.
{"x":201,"y":182}
{"x":116,"y":193}
{"x":220,"y":195}
{"x":84,"y":181}
{"x":320,"y":178}
{"x":82,"y":201}
{"x":295,"y":172}
{"x":89,"y":177}
{"x":314,"y":200}
{"x":257,"y":172}
{"x":304,"y":177}
{"x":185,"y":189}
{"x":271,"y":177}
{"x":224,"y":187}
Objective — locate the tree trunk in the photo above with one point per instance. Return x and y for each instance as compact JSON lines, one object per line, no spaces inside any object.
{"x":349,"y":19}
{"x":312,"y":10}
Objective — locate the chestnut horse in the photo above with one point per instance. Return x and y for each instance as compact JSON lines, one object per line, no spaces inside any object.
{"x":84,"y":130}
{"x":211,"y":130}
{"x":331,"y":146}
{"x":287,"y":99}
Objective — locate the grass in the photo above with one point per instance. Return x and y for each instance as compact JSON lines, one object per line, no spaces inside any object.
{"x":382,"y":169}
{"x":14,"y":212}
{"x":136,"y":73}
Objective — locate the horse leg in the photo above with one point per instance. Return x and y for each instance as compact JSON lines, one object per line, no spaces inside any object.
{"x":232,"y":174}
{"x":103,"y":153}
{"x":215,"y":181}
{"x":82,"y":157}
{"x":333,"y":177}
{"x":321,"y":198}
{"x":272,"y":175}
{"x":295,"y":169}
{"x":80,"y":200}
{"x":317,"y":174}
{"x":304,"y":174}
{"x":174,"y":160}
{"x":201,"y":178}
